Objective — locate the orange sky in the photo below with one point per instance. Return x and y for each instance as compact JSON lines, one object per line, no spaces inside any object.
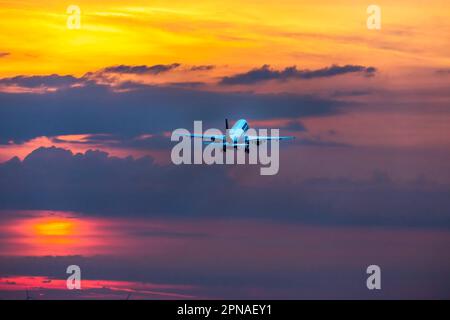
{"x":232,"y":34}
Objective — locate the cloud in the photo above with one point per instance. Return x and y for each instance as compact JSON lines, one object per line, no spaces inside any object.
{"x":109,"y":76}
{"x":202,"y":67}
{"x":141,"y":69}
{"x":266,"y":73}
{"x":97,"y":109}
{"x":4,"y":54}
{"x":142,"y":142}
{"x":52,"y":105}
{"x":53,"y":81}
{"x":98,"y":184}
{"x":187,"y":84}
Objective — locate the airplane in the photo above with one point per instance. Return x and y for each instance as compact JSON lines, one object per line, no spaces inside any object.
{"x":236,"y":136}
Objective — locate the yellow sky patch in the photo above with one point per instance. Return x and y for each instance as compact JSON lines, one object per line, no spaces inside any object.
{"x":237,"y":34}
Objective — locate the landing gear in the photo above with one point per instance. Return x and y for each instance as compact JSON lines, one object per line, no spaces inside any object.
{"x":247,"y":145}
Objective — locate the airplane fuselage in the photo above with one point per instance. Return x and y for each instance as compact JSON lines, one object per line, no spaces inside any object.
{"x":237,"y":136}
{"x":237,"y":132}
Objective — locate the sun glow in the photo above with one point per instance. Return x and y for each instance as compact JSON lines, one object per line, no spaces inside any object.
{"x":56,"y":233}
{"x":54,"y":228}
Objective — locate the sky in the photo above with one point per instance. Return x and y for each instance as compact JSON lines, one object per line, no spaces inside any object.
{"x":86,"y":176}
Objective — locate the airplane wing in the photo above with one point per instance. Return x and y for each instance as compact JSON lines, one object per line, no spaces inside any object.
{"x":227,"y":144}
{"x":211,"y":137}
{"x":264,"y":138}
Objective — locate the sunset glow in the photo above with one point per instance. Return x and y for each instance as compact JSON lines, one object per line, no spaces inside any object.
{"x":53,"y":233}
{"x":54,"y":228}
{"x":87,"y":178}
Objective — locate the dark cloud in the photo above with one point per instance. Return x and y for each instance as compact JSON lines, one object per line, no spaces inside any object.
{"x":97,"y":109}
{"x":142,"y":69}
{"x":98,"y":184}
{"x":266,"y":73}
{"x":4,"y":54}
{"x":187,"y":84}
{"x":101,"y":76}
{"x":202,"y":67}
{"x":53,"y":81}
